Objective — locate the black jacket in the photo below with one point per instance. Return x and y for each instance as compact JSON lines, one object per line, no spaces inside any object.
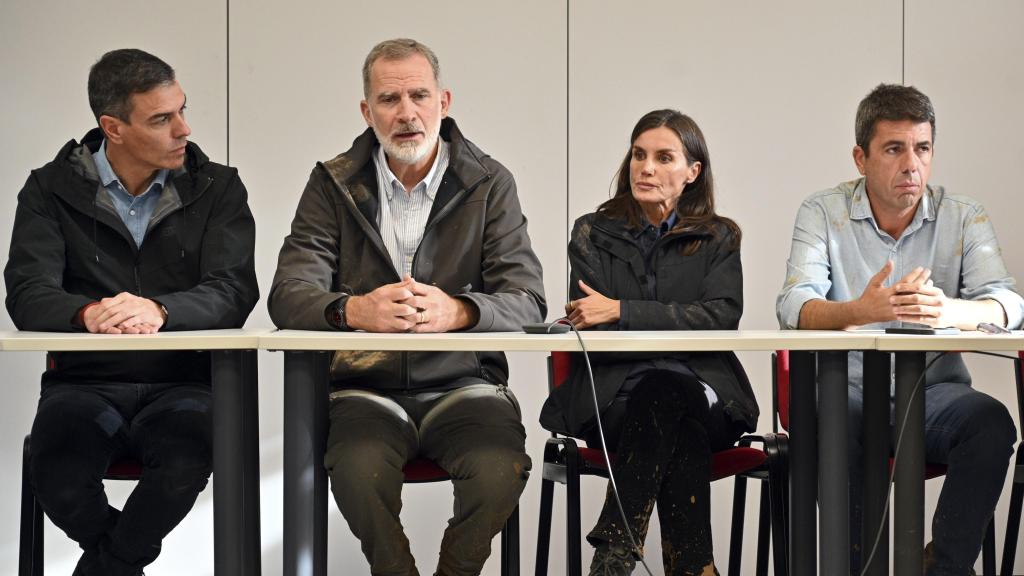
{"x":475,"y":246}
{"x":702,"y":291}
{"x":69,"y":248}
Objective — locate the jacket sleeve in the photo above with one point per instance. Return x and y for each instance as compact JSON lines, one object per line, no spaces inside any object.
{"x":36,"y":299}
{"x":513,"y":291}
{"x":719,"y":306}
{"x":227,"y":290}
{"x":307,"y":263}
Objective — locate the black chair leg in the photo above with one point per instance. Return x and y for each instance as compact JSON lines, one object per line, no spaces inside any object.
{"x":764,"y":533}
{"x":1013,"y":517}
{"x":778,"y":480}
{"x":573,"y":540}
{"x":547,"y":494}
{"x":739,"y":504}
{"x":510,"y":545}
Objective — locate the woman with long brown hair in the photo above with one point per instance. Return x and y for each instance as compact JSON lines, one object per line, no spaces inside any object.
{"x":656,"y":256}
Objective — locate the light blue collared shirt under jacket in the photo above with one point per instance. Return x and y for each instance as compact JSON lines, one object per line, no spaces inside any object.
{"x":135,"y":211}
{"x":837,"y":247}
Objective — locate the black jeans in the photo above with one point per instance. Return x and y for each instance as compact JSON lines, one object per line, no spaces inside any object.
{"x":973,"y":435}
{"x":664,"y":434}
{"x":80,"y":429}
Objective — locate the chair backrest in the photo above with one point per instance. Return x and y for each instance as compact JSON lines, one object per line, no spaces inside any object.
{"x":780,"y":386}
{"x":559,"y":364}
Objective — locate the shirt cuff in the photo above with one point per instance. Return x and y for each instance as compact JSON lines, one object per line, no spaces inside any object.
{"x":1012,"y":305}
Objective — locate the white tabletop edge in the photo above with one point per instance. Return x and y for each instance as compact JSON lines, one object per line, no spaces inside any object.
{"x":964,"y":341}
{"x":234,"y":339}
{"x":611,"y":341}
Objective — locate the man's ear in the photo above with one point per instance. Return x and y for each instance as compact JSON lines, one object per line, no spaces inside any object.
{"x":859,"y":157}
{"x":364,"y":107}
{"x":446,"y":102}
{"x":111,"y":128}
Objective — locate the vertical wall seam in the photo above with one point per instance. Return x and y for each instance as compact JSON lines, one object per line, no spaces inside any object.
{"x":568,"y":214}
{"x":227,"y":81}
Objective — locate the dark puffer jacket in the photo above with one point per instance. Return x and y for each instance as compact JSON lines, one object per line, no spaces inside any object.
{"x":701,"y":291}
{"x":69,"y":248}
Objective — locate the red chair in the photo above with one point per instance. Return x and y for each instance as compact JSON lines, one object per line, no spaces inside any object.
{"x":30,"y":553}
{"x":565,"y":461}
{"x":780,"y":374}
{"x":422,"y":470}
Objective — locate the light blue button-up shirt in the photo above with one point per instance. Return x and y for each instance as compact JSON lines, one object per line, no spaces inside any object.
{"x":135,"y":211}
{"x":837,"y":247}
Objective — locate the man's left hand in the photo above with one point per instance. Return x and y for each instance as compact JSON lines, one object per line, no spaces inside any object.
{"x":924,"y":303}
{"x":436,"y":311}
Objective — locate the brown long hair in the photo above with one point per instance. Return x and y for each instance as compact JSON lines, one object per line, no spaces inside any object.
{"x":695,"y":208}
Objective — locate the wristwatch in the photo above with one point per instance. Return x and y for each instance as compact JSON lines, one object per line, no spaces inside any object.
{"x":336,"y":313}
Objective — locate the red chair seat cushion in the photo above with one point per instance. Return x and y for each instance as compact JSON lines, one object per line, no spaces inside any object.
{"x":125,"y":470}
{"x":424,"y":470}
{"x":726,"y":463}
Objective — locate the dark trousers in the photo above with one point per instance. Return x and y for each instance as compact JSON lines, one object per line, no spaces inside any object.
{"x":80,"y":429}
{"x":664,"y":434}
{"x":973,"y":435}
{"x":475,"y":433}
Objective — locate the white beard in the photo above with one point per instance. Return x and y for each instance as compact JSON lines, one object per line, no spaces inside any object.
{"x":408,"y":152}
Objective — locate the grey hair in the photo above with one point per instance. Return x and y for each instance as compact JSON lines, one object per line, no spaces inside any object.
{"x":398,"y":49}
{"x":120,"y":73}
{"x":895,"y":103}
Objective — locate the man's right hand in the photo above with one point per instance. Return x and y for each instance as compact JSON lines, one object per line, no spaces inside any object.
{"x":382,"y":310}
{"x":875,"y":303}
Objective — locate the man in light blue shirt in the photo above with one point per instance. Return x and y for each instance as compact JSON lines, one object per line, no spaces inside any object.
{"x":888,"y":249}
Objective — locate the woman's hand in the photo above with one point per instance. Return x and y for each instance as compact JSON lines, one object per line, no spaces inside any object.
{"x":593,"y":309}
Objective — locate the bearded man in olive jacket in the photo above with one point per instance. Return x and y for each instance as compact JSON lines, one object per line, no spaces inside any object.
{"x":414,"y":229}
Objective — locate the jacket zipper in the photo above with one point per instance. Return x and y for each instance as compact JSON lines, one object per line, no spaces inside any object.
{"x":406,"y":363}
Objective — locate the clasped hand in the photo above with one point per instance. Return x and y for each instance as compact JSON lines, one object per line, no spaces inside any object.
{"x":408,"y":306}
{"x":125,"y":313}
{"x":914,"y":298}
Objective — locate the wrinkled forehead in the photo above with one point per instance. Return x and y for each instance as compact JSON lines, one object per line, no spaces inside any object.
{"x":399,"y":75}
{"x":903,"y":131}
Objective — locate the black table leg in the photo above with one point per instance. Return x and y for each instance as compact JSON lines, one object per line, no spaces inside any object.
{"x":832,"y":458}
{"x":909,"y":477}
{"x":803,"y":450}
{"x":877,"y":435}
{"x":236,"y":463}
{"x":305,"y":481}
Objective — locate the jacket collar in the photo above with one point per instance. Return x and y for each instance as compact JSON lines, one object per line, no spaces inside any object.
{"x":353,"y":172}
{"x":189,"y":180}
{"x":465,"y":160}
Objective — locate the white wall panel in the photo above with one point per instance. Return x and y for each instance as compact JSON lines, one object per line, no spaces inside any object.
{"x":774,"y":87}
{"x":295,"y":89}
{"x":967,"y":59}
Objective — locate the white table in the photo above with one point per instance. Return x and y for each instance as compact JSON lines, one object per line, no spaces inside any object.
{"x":236,"y":484}
{"x":305,"y":418}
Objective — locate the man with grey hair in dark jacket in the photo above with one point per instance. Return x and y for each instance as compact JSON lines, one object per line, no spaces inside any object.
{"x":414,"y":229}
{"x":132,"y":231}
